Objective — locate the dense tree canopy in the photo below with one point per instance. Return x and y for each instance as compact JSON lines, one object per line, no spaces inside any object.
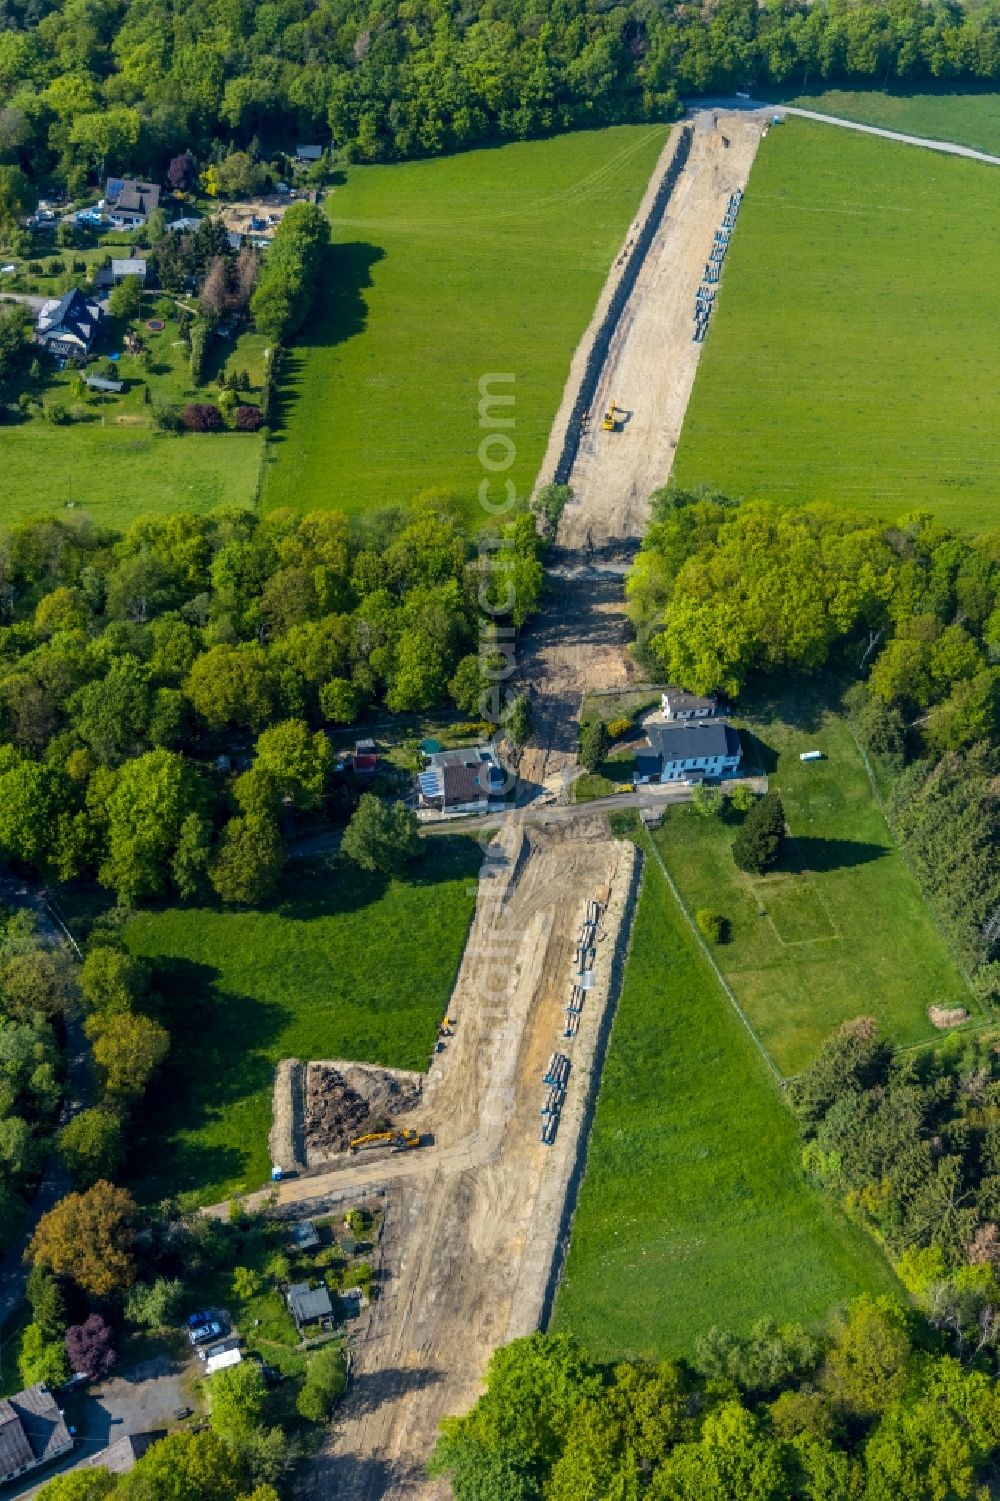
{"x":776,"y":1415}
{"x":194,"y":87}
{"x":165,"y":695}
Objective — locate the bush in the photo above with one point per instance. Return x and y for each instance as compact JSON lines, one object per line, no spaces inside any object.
{"x":153,"y":1305}
{"x":707,"y":801}
{"x":199,"y":341}
{"x":42,"y":1359}
{"x":166,"y":418}
{"x":594,"y":744}
{"x":201,"y":417}
{"x":517,"y":720}
{"x":712,"y":925}
{"x":34,"y":268}
{"x":742,"y":797}
{"x":326,"y":1380}
{"x":57,"y":413}
{"x":619,"y":727}
{"x":248,"y":419}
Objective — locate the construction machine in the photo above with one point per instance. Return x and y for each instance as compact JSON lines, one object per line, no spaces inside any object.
{"x":400,"y":1141}
{"x":611,"y":422}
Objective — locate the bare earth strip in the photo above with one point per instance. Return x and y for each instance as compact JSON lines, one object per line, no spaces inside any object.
{"x":578,"y":645}
{"x":474,"y":1219}
{"x":653,"y":359}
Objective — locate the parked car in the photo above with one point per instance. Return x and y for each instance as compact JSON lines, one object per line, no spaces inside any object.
{"x":194,"y":1319}
{"x":205,"y":1333}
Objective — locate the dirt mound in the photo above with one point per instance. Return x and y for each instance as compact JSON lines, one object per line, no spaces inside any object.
{"x":344,"y":1100}
{"x":942,"y":1017}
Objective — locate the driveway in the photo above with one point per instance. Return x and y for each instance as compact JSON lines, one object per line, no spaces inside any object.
{"x":145,"y":1399}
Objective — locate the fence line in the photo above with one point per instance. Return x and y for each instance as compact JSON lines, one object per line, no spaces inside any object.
{"x":762,"y":1050}
{"x":901,"y":847}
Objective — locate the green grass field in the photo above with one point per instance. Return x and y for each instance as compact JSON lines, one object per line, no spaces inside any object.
{"x":112,"y":465}
{"x":853,"y":356}
{"x":841,"y":928}
{"x":969,"y":119}
{"x":340,"y":966}
{"x":442,"y":272}
{"x":693,"y":1209}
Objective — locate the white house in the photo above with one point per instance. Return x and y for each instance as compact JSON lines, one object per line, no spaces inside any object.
{"x":689,"y":751}
{"x":680,"y":705}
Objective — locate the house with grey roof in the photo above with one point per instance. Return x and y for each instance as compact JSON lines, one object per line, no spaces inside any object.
{"x":33,"y":1432}
{"x":308,"y":1305}
{"x":688,"y":751}
{"x":124,"y":1454}
{"x":128,"y":203}
{"x":68,"y":326}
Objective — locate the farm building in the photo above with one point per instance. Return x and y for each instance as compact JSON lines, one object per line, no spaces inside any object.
{"x":680,"y":705}
{"x":129,"y":203}
{"x":32,"y":1432}
{"x":461,"y":781}
{"x":308,"y":1305}
{"x":688,"y":751}
{"x":101,"y":383}
{"x":67,"y":327}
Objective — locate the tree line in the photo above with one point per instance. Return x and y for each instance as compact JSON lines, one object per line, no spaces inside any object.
{"x":166,"y":695}
{"x":130,"y":86}
{"x":906,"y":613}
{"x":872,"y":1410}
{"x":909,"y":1143}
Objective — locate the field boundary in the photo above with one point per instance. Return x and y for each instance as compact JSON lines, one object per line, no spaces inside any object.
{"x":776,"y":1073}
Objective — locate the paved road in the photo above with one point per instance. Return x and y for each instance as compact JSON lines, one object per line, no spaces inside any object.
{"x":950,"y":148}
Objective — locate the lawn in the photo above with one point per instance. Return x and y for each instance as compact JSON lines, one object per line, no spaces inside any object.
{"x":853,"y":357}
{"x":693,"y":1209}
{"x":110,"y":463}
{"x":969,"y":119}
{"x":841,"y":927}
{"x":443,"y":272}
{"x":341,"y":966}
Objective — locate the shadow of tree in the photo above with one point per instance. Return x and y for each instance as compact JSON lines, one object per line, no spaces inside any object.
{"x":809,"y":853}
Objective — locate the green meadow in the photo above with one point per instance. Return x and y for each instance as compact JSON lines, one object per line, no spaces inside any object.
{"x":853,"y":355}
{"x":693,"y":1209}
{"x":968,"y":119}
{"x":444,"y":272}
{"x":340,"y":965}
{"x":840,"y":928}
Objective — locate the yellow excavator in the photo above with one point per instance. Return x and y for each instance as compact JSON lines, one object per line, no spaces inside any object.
{"x":400,"y":1141}
{"x":611,"y":422}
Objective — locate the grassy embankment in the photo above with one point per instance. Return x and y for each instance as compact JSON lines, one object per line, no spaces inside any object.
{"x":860,"y":293}
{"x":340,"y":965}
{"x":443,"y":272}
{"x":693,"y":1210}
